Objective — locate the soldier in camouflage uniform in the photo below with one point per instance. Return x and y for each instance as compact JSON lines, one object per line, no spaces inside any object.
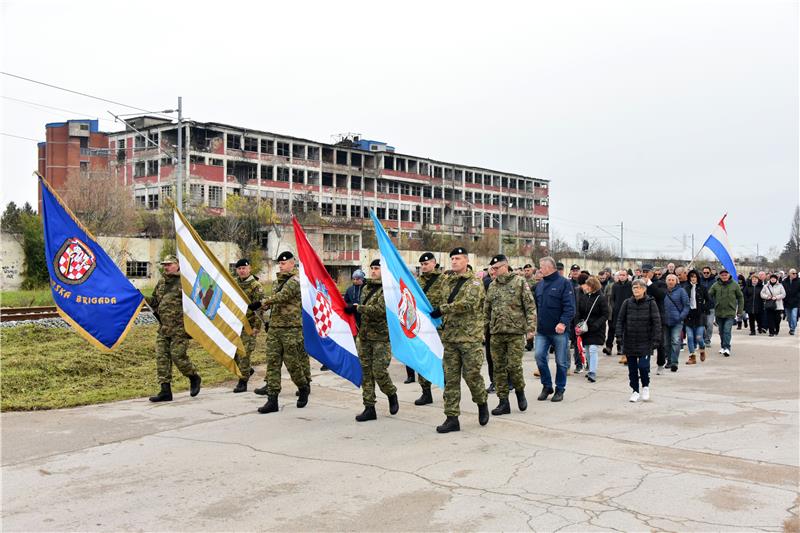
{"x":510,"y":315}
{"x":172,"y":340}
{"x":461,"y":308}
{"x":430,"y":279}
{"x":284,"y":336}
{"x":374,"y":349}
{"x":255,"y":292}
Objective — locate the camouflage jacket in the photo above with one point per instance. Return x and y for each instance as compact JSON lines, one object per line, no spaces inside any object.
{"x":255,"y":291}
{"x":434,"y":290}
{"x":373,"y":312}
{"x":285,"y":302}
{"x":509,"y":306}
{"x":167,"y":301}
{"x":462,"y":320}
{"x":531,"y":283}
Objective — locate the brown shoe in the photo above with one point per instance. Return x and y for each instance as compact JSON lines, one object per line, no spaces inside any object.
{"x":702,"y":355}
{"x":623,"y":360}
{"x":692,"y":360}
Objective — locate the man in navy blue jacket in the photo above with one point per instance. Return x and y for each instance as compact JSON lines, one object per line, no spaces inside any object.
{"x":555,"y":304}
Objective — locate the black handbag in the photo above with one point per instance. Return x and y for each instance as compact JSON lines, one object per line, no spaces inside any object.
{"x":770,"y":305}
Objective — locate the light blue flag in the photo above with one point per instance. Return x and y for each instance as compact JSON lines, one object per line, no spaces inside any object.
{"x":412,"y":331}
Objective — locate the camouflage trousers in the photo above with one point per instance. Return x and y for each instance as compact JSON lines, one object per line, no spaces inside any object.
{"x":424,"y":383}
{"x":507,"y":358}
{"x":375,"y":357}
{"x":243,"y":362}
{"x":285,"y":347}
{"x":172,"y":349}
{"x":462,"y":359}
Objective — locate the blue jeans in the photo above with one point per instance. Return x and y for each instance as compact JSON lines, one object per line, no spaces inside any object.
{"x":725,"y":325}
{"x":695,"y":338}
{"x":591,"y":352}
{"x":672,"y":342}
{"x":791,"y":316}
{"x":561,"y":344}
{"x":709,"y":327}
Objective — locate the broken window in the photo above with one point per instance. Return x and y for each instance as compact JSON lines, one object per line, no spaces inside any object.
{"x":214,"y":196}
{"x":424,"y":168}
{"x":412,"y":166}
{"x":152,"y":168}
{"x":152,"y":139}
{"x":355,"y":211}
{"x":197,"y":159}
{"x":166,"y":191}
{"x":327,"y":179}
{"x":283,"y":149}
{"x":152,"y":200}
{"x":426,"y":215}
{"x":139,"y":169}
{"x":427,"y":192}
{"x":268,"y":146}
{"x":299,"y":151}
{"x":355,"y":160}
{"x":437,"y":215}
{"x":266,"y":172}
{"x":281,"y":174}
{"x":196,"y":194}
{"x":416,"y":190}
{"x":437,"y":193}
{"x":139,"y":141}
{"x":341,"y":157}
{"x":298,"y":175}
{"x":137,"y":269}
{"x":355,"y":183}
{"x":341,"y":181}
{"x":250,"y":144}
{"x":341,"y":210}
{"x":327,"y":155}
{"x":216,"y":162}
{"x":326,"y":209}
{"x":394,"y":187}
{"x":388,"y":162}
{"x":312,"y":177}
{"x":313,"y":153}
{"x":233,"y":142}
{"x":415,"y":214}
{"x":400,"y":164}
{"x":504,"y":182}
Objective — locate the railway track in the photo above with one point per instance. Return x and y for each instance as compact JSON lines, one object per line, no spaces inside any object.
{"x":22,"y":314}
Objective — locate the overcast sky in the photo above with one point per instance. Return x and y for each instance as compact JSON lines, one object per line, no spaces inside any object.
{"x":663,"y":115}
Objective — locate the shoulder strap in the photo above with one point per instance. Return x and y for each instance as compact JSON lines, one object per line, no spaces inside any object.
{"x":592,"y":307}
{"x":370,"y":294}
{"x":430,"y":282}
{"x":673,"y":302}
{"x":454,"y":292}
{"x":282,"y":283}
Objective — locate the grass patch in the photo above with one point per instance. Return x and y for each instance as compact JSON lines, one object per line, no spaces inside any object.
{"x":36,"y":298}
{"x":48,"y":368}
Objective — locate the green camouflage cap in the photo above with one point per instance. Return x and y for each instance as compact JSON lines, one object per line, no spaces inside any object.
{"x":169,"y":259}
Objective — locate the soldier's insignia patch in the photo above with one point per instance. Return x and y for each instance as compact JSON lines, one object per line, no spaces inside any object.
{"x":206,"y":294}
{"x":407,"y":311}
{"x":476,"y":283}
{"x":74,"y":262}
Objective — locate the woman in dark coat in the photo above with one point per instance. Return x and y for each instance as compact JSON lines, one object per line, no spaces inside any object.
{"x":639,"y":332}
{"x":593,"y":308}
{"x":694,"y":323}
{"x":753,"y":304}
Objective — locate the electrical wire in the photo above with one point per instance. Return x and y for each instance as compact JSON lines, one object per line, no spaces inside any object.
{"x":71,"y":111}
{"x":19,"y":137}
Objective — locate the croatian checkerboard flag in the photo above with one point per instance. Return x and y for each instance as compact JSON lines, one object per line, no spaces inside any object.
{"x":328,"y":332}
{"x":412,"y":331}
{"x":717,"y":242}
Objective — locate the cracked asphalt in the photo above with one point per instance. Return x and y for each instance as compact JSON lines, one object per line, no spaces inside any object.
{"x":715,"y":450}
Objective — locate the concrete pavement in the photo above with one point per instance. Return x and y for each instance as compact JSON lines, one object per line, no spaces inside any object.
{"x":715,"y":450}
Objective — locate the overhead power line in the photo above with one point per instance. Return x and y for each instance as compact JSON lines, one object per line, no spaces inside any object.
{"x":4,"y":134}
{"x":37,"y":104}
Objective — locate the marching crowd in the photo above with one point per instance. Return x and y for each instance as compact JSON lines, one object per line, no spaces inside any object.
{"x":496,"y":315}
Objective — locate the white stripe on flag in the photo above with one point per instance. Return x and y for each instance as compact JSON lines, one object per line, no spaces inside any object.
{"x":201,"y":258}
{"x":196,"y":315}
{"x":223,"y":311}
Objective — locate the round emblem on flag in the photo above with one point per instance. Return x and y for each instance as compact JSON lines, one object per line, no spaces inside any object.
{"x":407,"y":311}
{"x":74,"y":262}
{"x":322,"y":311}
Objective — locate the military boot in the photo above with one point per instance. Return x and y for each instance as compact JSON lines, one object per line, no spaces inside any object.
{"x":165,"y":395}
{"x":394,"y":405}
{"x":425,"y":399}
{"x":522,"y":402}
{"x":308,"y":385}
{"x":302,"y":397}
{"x":271,"y":406}
{"x":194,"y":385}
{"x":368,"y":414}
{"x":410,"y":376}
{"x":261,"y":391}
{"x":503,"y":408}
{"x":483,"y":413}
{"x":450,"y":424}
{"x":241,"y":386}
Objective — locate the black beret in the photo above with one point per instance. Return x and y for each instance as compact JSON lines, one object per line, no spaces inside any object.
{"x":560,"y":265}
{"x":242,"y":263}
{"x":427,"y":256}
{"x":285,"y":256}
{"x":375,"y":263}
{"x":528,"y":265}
{"x":499,"y":258}
{"x":458,"y":251}
{"x":575,"y":267}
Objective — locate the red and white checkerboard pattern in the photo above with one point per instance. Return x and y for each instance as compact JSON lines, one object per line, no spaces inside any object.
{"x":322,"y":315}
{"x":74,"y":262}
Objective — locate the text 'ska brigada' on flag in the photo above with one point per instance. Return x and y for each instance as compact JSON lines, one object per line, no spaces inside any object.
{"x":214,"y":307}
{"x":717,"y":242}
{"x":412,"y":331}
{"x":328,"y":332}
{"x":90,"y":292}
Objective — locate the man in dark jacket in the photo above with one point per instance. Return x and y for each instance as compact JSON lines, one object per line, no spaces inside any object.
{"x":656,"y":288}
{"x":555,"y":303}
{"x":707,"y":280}
{"x":792,"y":300}
{"x":753,"y":304}
{"x":676,"y":308}
{"x":620,"y":292}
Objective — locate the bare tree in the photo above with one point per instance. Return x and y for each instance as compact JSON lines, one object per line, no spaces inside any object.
{"x":100,"y":201}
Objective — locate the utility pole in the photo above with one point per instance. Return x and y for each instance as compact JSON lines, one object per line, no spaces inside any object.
{"x":692,"y":244}
{"x":179,"y":165}
{"x":621,"y":248}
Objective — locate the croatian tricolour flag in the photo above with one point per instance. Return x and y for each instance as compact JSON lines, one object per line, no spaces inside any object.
{"x":412,"y":331}
{"x":327,"y":330}
{"x":717,"y":242}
